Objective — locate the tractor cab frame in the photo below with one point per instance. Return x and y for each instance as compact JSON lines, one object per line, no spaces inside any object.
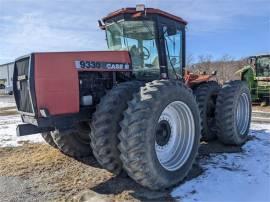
{"x":261,"y":64}
{"x":257,"y":75}
{"x":155,"y":40}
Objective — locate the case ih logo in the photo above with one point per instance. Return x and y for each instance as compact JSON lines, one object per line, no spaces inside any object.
{"x":82,"y":64}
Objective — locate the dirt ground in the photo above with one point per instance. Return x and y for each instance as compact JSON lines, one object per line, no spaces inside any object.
{"x":45,"y":174}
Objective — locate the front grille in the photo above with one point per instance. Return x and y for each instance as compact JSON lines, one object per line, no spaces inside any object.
{"x":21,"y":86}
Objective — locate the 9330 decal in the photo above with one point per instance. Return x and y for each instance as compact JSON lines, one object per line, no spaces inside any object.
{"x":84,"y":64}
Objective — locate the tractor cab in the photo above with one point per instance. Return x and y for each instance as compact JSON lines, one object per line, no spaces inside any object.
{"x":261,"y":63}
{"x":155,"y":41}
{"x":257,"y":76}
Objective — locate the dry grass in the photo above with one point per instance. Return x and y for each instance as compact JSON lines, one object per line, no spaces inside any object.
{"x":57,"y":177}
{"x":60,"y":178}
{"x":5,"y":111}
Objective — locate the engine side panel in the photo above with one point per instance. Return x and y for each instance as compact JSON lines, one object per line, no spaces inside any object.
{"x":57,"y":80}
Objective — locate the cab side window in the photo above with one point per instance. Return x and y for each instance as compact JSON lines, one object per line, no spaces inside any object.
{"x":173,"y":47}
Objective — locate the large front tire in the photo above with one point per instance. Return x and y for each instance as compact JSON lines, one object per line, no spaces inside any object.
{"x":160,"y":134}
{"x":233,"y":113}
{"x":74,"y":142}
{"x":106,"y":125}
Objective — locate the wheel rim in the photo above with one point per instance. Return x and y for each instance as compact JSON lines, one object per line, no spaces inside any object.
{"x":174,"y":135}
{"x":242,"y":113}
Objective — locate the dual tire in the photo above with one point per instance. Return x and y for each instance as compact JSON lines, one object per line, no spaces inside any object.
{"x":149,"y":144}
{"x":160,"y":134}
{"x":160,"y":129}
{"x":74,"y":142}
{"x":225,"y":111}
{"x":105,"y":125}
{"x":206,"y":97}
{"x":233,"y":113}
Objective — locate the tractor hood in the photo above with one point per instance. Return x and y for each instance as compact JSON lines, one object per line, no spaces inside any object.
{"x":84,"y":60}
{"x":50,"y":80}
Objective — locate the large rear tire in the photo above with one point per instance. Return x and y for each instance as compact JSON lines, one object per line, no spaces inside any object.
{"x":233,"y":113}
{"x":105,"y":125}
{"x":48,"y":138}
{"x":74,"y":142}
{"x":160,"y":134}
{"x":206,"y":96}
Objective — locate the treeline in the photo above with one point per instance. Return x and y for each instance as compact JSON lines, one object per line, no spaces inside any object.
{"x":226,"y":66}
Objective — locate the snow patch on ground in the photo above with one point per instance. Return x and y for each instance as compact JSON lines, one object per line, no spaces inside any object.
{"x":8,"y":124}
{"x":234,"y":177}
{"x":8,"y":136}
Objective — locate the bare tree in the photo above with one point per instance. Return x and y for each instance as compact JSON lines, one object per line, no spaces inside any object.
{"x":226,"y":66}
{"x":204,"y":63}
{"x":189,"y":61}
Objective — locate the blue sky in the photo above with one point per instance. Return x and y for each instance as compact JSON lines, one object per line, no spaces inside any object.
{"x":216,"y":27}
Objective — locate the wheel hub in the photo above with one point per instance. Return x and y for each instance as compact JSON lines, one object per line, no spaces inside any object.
{"x":163,"y":133}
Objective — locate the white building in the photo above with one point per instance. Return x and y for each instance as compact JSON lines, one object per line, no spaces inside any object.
{"x":6,"y":73}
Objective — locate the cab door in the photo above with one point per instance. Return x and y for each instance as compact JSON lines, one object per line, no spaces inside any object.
{"x":172,"y":37}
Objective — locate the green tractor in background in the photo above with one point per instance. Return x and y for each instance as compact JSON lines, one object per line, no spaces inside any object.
{"x":257,"y":75}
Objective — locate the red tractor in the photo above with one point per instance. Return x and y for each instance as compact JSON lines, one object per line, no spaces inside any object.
{"x":133,"y":104}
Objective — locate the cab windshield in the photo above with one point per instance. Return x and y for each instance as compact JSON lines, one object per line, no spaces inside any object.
{"x":137,"y":37}
{"x":263,"y":66}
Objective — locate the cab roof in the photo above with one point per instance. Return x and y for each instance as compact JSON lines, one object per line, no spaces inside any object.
{"x":260,"y":55}
{"x":147,"y":11}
